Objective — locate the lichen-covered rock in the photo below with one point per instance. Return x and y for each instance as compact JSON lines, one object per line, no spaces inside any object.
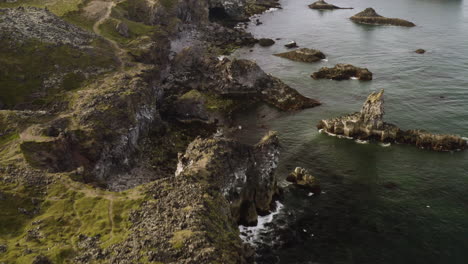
{"x":303,"y":178}
{"x":322,"y":5}
{"x":303,"y":55}
{"x":266,"y":42}
{"x":343,"y":72}
{"x":369,"y":125}
{"x":369,"y":16}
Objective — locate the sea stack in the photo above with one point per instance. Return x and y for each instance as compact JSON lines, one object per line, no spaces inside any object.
{"x":369,"y":16}
{"x":369,"y":125}
{"x":322,"y":5}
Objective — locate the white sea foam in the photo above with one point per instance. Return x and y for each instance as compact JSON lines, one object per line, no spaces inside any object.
{"x":385,"y":145}
{"x":341,"y":136}
{"x":324,"y":60}
{"x":250,"y":234}
{"x":362,"y":141}
{"x":271,"y":9}
{"x":354,"y":78}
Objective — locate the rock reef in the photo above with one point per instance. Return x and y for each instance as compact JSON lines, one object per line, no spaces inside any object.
{"x":303,"y":55}
{"x":322,"y":5}
{"x":302,"y":178}
{"x":369,"y":16}
{"x":369,"y":125}
{"x":343,"y":72}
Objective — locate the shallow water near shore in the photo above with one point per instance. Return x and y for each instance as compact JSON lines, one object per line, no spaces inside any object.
{"x":394,"y":204}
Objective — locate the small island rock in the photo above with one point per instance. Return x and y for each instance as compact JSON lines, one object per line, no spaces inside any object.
{"x":322,"y":5}
{"x":343,"y":72}
{"x":303,"y":178}
{"x":266,"y":42}
{"x":303,"y":55}
{"x":291,"y":45}
{"x":420,"y":51}
{"x":369,"y":16}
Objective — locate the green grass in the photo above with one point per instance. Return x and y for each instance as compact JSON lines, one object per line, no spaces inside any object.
{"x":212,"y":102}
{"x":58,"y":7}
{"x":135,"y":30}
{"x":65,"y":214}
{"x":23,"y":68}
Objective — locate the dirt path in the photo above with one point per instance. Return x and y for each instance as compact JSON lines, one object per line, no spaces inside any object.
{"x":121,"y":54}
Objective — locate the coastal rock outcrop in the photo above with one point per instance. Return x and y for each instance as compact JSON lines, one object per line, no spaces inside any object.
{"x":420,"y":51}
{"x":244,"y":174}
{"x":343,"y":72}
{"x":291,"y":45}
{"x":303,"y":55}
{"x":369,"y":125}
{"x":302,"y":178}
{"x":322,"y":5}
{"x":369,"y":16}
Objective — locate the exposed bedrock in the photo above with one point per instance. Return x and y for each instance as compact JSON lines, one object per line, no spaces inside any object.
{"x":369,"y":125}
{"x":369,"y":16}
{"x":244,"y":174}
{"x":234,"y":79}
{"x":343,"y":72}
{"x":303,"y":55}
{"x":302,"y":178}
{"x":322,"y":5}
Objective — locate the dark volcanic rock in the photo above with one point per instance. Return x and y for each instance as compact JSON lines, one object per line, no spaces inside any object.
{"x":303,"y":55}
{"x":266,"y":42}
{"x":291,"y":45}
{"x":369,"y":16}
{"x":369,"y":125}
{"x":343,"y":72}
{"x":420,"y":51}
{"x":304,"y":179}
{"x":322,"y":5}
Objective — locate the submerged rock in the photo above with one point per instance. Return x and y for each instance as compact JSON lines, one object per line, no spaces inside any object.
{"x":322,"y":5}
{"x":303,"y":178}
{"x":303,"y":55}
{"x":291,"y":45}
{"x":343,"y":72}
{"x":369,"y":16}
{"x":420,"y":51}
{"x":369,"y":125}
{"x":266,"y":42}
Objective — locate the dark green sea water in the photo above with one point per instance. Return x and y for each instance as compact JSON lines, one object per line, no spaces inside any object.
{"x":394,"y":204}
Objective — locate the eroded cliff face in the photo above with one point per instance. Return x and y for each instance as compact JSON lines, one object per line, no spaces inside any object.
{"x":102,"y":114}
{"x":369,"y":125}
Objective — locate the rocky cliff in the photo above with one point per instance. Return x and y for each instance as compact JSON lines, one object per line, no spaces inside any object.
{"x":96,"y":102}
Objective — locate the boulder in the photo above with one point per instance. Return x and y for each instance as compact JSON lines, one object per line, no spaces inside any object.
{"x":420,"y":51}
{"x":303,"y":55}
{"x":291,"y":45}
{"x":302,"y":178}
{"x":369,"y":125}
{"x":122,"y":29}
{"x":322,"y":5}
{"x":266,"y":42}
{"x":369,"y":16}
{"x":343,"y":72}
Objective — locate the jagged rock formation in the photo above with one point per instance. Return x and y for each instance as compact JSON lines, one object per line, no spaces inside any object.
{"x":291,"y":45}
{"x":343,"y":72}
{"x":322,"y":5}
{"x":369,"y":125}
{"x":369,"y":16}
{"x":302,"y":178}
{"x":303,"y":55}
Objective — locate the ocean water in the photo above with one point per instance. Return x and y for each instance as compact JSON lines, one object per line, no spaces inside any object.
{"x":380,"y":204}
